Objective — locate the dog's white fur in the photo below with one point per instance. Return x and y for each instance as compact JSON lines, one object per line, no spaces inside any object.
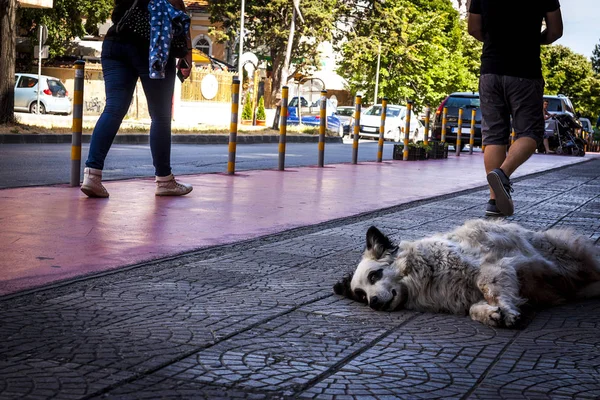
{"x":484,"y":268}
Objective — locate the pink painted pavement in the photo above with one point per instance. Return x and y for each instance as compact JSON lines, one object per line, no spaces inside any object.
{"x":53,"y":233}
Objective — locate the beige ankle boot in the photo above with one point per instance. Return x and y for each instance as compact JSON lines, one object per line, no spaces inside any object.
{"x":168,"y":186}
{"x":92,"y":183}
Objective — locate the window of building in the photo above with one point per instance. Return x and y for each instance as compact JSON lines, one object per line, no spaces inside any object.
{"x":204,"y":44}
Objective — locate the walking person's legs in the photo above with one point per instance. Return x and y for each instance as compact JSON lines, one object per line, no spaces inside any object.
{"x":159,"y":93}
{"x":495,"y":129}
{"x":119,"y":81}
{"x":524,"y":98}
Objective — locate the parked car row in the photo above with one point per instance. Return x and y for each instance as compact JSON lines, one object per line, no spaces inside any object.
{"x":54,"y":97}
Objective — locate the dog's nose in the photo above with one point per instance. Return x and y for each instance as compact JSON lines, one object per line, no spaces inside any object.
{"x":374,"y":303}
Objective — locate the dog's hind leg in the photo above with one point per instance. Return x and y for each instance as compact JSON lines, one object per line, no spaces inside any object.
{"x":500,"y":287}
{"x":590,"y":291}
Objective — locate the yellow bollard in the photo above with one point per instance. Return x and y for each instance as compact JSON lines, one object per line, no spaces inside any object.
{"x":444,"y":122}
{"x":77,"y":123}
{"x":407,"y":130}
{"x":513,"y":135}
{"x":382,"y":129}
{"x":472,"y":138}
{"x":233,"y":126}
{"x":427,"y":122}
{"x":322,"y":127}
{"x":283,"y":126}
{"x":358,"y":102}
{"x":458,"y":144}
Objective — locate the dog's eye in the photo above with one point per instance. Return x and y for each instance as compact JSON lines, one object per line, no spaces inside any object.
{"x":374,"y":276}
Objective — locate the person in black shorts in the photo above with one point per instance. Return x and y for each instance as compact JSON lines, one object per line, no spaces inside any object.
{"x":511,"y":85}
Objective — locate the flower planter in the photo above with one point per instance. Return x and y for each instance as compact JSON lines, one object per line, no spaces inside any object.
{"x":414,"y":153}
{"x":246,"y":122}
{"x":261,"y":122}
{"x":438,"y":151}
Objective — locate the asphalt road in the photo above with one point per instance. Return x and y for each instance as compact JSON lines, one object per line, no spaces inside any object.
{"x":45,"y":164}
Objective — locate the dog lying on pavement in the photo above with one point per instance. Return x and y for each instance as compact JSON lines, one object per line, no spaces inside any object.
{"x":483,"y":268}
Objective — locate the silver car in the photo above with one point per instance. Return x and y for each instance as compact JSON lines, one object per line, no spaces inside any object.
{"x":54,"y":97}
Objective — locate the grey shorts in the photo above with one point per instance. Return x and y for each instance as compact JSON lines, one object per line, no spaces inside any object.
{"x":503,"y":97}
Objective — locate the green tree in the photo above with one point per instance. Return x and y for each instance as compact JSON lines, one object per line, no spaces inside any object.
{"x":426,"y":52}
{"x":66,"y":20}
{"x":571,"y":74}
{"x":8,"y":12}
{"x":260,"y":110}
{"x":267,"y":23}
{"x":596,"y":58}
{"x":247,"y":110}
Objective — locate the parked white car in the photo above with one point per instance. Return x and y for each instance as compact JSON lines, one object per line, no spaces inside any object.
{"x":370,"y":121}
{"x":54,"y":97}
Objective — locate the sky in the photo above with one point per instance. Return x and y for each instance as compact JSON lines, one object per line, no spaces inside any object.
{"x":581,"y":19}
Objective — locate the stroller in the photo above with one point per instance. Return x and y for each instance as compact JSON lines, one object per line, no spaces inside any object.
{"x":563,"y":139}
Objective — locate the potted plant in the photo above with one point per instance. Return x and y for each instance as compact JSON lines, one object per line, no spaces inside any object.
{"x":247,"y":111}
{"x":261,"y":115}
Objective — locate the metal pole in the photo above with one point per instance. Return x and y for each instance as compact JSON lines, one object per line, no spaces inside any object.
{"x":283,"y":126}
{"x":407,"y":129}
{"x":357,"y":102}
{"x":444,"y":122}
{"x":458,"y":143}
{"x":513,"y":135}
{"x":39,"y":82}
{"x":427,"y":125}
{"x":382,"y":129}
{"x":241,"y":50}
{"x":322,"y":127}
{"x":77,"y":122}
{"x":472,"y":138}
{"x":299,"y":105}
{"x":377,"y":75}
{"x":233,"y":126}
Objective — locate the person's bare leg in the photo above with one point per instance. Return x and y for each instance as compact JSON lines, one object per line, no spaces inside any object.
{"x":519,"y":152}
{"x":493,"y":157}
{"x":547,"y":145}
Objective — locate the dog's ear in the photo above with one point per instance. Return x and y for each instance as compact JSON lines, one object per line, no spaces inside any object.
{"x":343,"y":288}
{"x":378,"y":243}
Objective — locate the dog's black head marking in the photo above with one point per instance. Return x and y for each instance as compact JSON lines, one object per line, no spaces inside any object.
{"x":378,"y":243}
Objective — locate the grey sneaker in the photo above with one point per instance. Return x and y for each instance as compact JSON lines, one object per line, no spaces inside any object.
{"x":491,"y":210}
{"x":502,"y":188}
{"x":168,"y":186}
{"x":92,"y":183}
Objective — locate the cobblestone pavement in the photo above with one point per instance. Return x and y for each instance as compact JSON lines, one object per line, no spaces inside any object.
{"x":258,"y":320}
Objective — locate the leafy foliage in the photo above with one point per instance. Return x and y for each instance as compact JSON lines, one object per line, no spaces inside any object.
{"x":571,"y":74}
{"x":596,"y":58}
{"x":267,"y":24}
{"x":66,"y":20}
{"x":247,"y":110}
{"x":426,"y":52}
{"x":260,"y":110}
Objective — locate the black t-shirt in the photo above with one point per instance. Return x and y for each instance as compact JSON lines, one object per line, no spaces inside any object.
{"x":512,"y":35}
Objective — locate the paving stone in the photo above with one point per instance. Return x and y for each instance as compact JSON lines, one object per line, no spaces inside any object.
{"x":258,"y":320}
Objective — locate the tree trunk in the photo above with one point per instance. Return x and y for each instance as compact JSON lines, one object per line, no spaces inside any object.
{"x":277,"y":60}
{"x":8,"y":12}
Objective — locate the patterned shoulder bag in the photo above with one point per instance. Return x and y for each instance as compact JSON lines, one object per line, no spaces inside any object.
{"x":136,"y":21}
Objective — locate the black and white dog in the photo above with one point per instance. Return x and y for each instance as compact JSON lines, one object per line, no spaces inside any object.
{"x":484,"y":268}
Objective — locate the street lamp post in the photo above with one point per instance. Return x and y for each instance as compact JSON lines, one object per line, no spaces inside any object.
{"x":240,"y":66}
{"x":377,"y":74}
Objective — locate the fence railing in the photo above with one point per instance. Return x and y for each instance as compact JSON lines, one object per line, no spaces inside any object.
{"x":199,"y":86}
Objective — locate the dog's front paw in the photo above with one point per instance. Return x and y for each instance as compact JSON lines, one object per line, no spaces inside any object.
{"x":486,"y":314}
{"x":510,"y":317}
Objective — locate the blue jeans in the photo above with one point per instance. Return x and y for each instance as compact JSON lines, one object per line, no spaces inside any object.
{"x":122,"y":64}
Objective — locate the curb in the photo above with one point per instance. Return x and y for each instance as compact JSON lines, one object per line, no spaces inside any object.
{"x":175,"y":138}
